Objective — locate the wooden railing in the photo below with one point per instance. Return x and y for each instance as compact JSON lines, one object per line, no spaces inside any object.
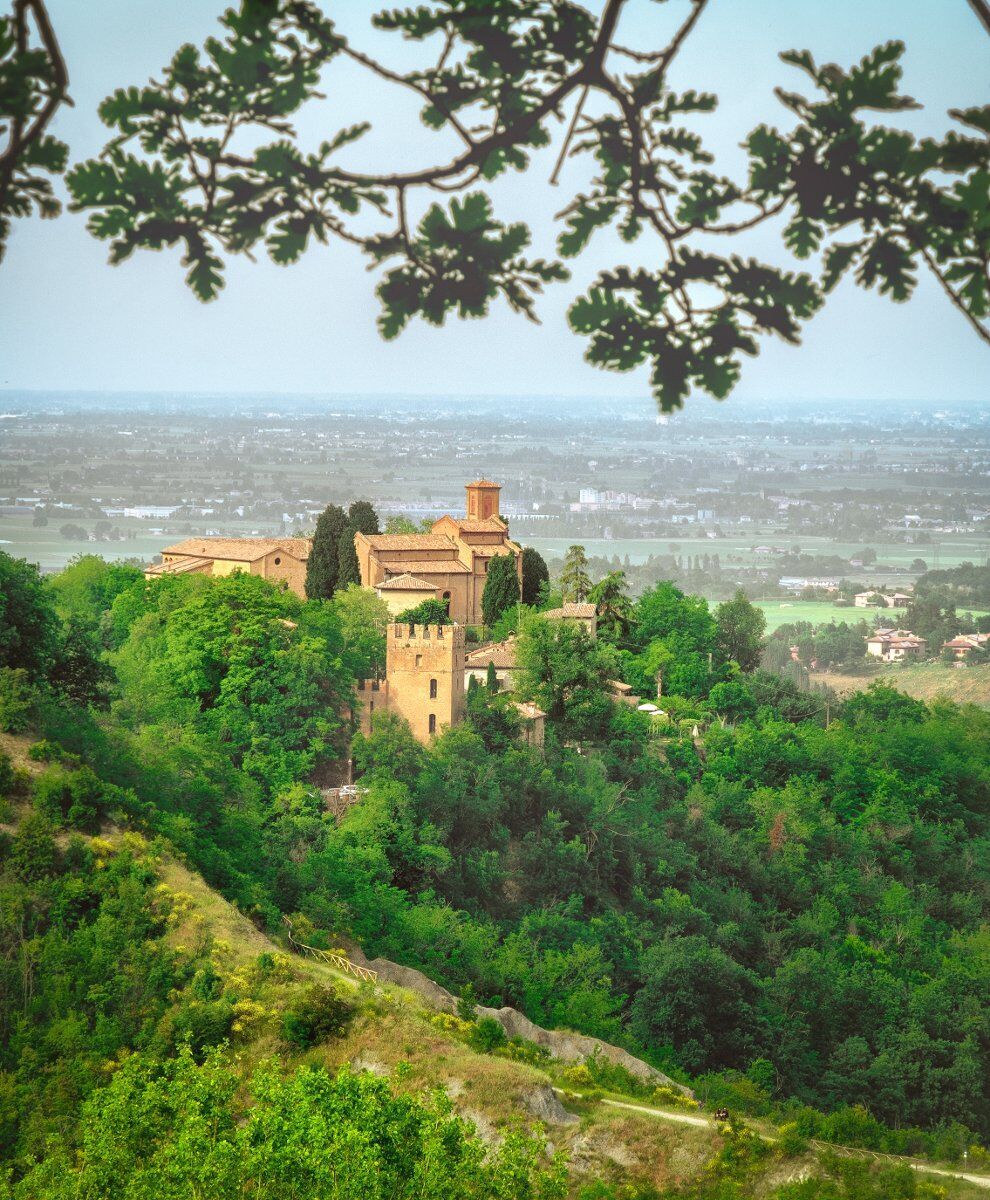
{"x":332,"y":958}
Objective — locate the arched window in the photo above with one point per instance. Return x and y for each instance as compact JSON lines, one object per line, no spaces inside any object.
{"x":433,"y":689}
{"x":433,"y":722}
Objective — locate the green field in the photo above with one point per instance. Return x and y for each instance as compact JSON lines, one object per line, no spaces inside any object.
{"x":818,"y":612}
{"x":741,"y":548}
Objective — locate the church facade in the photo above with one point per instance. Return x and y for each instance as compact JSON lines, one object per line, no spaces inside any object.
{"x":450,"y":562}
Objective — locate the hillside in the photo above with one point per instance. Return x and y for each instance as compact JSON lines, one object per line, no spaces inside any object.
{"x":755,"y":901}
{"x":610,"y":1136}
{"x":923,"y":681}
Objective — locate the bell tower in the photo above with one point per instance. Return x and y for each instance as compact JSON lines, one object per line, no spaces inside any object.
{"x":482,"y":499}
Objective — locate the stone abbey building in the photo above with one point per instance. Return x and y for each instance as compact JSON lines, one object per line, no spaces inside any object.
{"x":282,"y":560}
{"x":449,"y":563}
{"x":425,"y":664}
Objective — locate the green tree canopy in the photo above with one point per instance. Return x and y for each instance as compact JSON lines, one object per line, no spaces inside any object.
{"x":250,"y":665}
{"x":610,"y":597}
{"x":362,"y":518}
{"x":566,"y":672}
{"x":28,"y":624}
{"x":535,"y":574}
{"x":308,"y":1134}
{"x":575,"y":582}
{"x":739,"y":629}
{"x":501,"y":588}
{"x":322,"y":568}
{"x":427,"y":612}
{"x":363,"y":616}
{"x":850,"y":193}
{"x":348,"y":567}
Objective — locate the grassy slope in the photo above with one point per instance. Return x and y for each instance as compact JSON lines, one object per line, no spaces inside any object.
{"x":924,"y":681}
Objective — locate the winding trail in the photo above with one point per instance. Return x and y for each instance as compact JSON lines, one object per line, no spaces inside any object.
{"x":682,"y":1118}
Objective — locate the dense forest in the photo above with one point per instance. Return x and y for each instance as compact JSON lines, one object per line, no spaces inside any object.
{"x":778,"y":898}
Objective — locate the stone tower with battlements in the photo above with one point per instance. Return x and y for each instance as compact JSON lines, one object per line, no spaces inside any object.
{"x":424,"y":678}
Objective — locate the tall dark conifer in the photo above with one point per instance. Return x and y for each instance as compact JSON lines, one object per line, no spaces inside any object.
{"x":348,"y":570}
{"x":321,"y":569}
{"x":501,"y":588}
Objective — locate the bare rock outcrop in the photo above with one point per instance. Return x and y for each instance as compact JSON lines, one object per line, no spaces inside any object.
{"x":561,"y":1044}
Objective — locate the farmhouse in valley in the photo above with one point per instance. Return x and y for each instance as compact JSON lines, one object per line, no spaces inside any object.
{"x":896,"y":645}
{"x":878,"y":599}
{"x":450,"y":562}
{"x":967,"y":645}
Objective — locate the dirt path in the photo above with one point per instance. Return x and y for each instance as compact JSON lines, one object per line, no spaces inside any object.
{"x":682,"y":1118}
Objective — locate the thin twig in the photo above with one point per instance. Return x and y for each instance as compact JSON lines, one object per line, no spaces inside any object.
{"x":982,"y":10}
{"x":570,"y":134}
{"x":933,"y":266}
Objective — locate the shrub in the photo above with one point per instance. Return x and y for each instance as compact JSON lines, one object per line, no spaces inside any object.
{"x":6,"y":775}
{"x":578,"y":1074}
{"x":790,"y":1142}
{"x":78,"y":798}
{"x":487,"y":1036}
{"x":320,"y":1013}
{"x":19,"y":699}
{"x":520,"y":1050}
{"x":51,"y":752}
{"x":201,"y":1024}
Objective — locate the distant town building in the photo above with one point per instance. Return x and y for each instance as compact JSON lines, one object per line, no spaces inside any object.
{"x":966,"y":644}
{"x":878,"y":599}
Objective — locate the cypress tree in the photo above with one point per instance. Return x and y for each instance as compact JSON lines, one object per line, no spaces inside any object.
{"x":348,"y":570}
{"x":362,"y":518}
{"x":321,"y":568}
{"x":534,"y":574}
{"x":575,"y":582}
{"x":501,"y":588}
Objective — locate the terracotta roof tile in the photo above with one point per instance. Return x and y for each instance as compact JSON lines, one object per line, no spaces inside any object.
{"x":248,"y":549}
{"x":406,"y":583}
{"x":582,"y":612}
{"x":181,"y":566}
{"x":502,"y":654}
{"x":441,"y":566}
{"x":409,"y":541}
{"x":475,"y":525}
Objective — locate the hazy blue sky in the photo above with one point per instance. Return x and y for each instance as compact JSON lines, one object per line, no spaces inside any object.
{"x":70,"y":321}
